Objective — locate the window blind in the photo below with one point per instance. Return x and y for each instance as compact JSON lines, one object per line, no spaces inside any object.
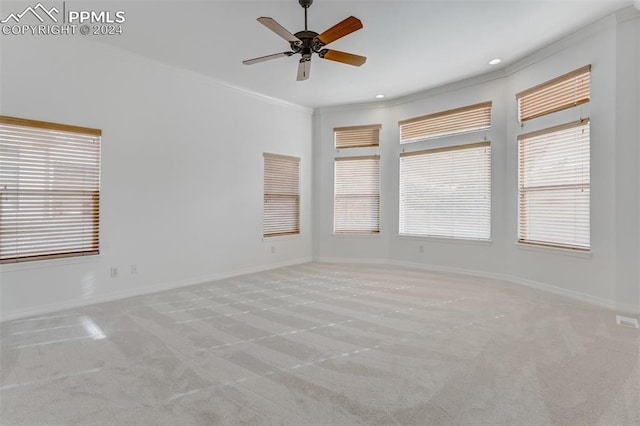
{"x":446,"y":192}
{"x":357,"y":195}
{"x":49,"y":190}
{"x":281,"y":214}
{"x":562,"y":92}
{"x":357,"y":136}
{"x":554,"y":186}
{"x":460,"y":120}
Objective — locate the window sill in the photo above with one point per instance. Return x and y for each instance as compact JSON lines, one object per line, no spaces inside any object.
{"x":555,"y":250}
{"x":445,"y":240}
{"x":355,"y":235}
{"x":281,"y":237}
{"x":49,"y":263}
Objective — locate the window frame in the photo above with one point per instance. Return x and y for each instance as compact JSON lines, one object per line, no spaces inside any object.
{"x":292,"y":196}
{"x":452,"y":122}
{"x":556,"y":187}
{"x":374,"y":230}
{"x":365,"y":136}
{"x":568,"y":92}
{"x":54,"y":201}
{"x":451,"y":236}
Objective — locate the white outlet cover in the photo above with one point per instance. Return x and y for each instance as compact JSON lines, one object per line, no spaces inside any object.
{"x":627,"y":321}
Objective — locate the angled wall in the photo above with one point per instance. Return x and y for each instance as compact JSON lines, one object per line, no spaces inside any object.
{"x":609,"y":274}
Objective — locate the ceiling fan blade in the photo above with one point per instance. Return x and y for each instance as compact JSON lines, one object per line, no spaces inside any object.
{"x":266,"y":58}
{"x":304,"y":68}
{"x":344,"y":57}
{"x":340,"y":30}
{"x":279,"y":29}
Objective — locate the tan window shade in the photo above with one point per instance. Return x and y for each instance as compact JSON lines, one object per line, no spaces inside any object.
{"x":460,"y":120}
{"x":446,"y":192}
{"x":281,"y":215}
{"x":357,"y":136}
{"x":563,"y":92}
{"x":357,"y":195}
{"x":554,"y":186}
{"x":49,"y":190}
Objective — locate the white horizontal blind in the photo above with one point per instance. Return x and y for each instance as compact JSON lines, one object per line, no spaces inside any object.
{"x":446,"y":192}
{"x":357,"y":136}
{"x":49,"y":190}
{"x":562,"y":92}
{"x":356,"y":208}
{"x":554,"y":186}
{"x":460,"y":120}
{"x":281,"y":215}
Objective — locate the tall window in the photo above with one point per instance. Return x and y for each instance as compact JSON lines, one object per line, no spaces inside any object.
{"x":281,"y":214}
{"x":357,"y":195}
{"x":446,"y":192}
{"x":554,"y":186}
{"x":356,"y":203}
{"x":49,"y":190}
{"x":554,"y":166}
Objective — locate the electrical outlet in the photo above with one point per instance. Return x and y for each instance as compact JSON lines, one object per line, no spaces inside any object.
{"x":421,"y":248}
{"x":134,"y":269}
{"x":627,"y":321}
{"x":273,"y":250}
{"x":114,"y":272}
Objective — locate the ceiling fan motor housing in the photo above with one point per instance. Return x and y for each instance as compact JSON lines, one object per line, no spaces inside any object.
{"x":309,"y":43}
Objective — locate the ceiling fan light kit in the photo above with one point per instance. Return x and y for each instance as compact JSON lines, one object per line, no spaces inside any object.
{"x":307,"y":42}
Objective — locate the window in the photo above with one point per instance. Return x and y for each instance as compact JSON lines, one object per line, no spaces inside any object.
{"x":455,"y":121}
{"x":281,"y":215}
{"x":563,"y":92}
{"x":357,"y":195}
{"x":554,"y":186}
{"x":446,"y":192}
{"x":356,"y":204}
{"x":357,"y":136}
{"x":49,"y":190}
{"x":554,"y":165}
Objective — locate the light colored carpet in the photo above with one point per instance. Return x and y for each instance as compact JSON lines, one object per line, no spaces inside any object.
{"x":325,"y":344}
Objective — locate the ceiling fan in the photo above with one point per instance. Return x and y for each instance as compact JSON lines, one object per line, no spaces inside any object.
{"x":307,"y":42}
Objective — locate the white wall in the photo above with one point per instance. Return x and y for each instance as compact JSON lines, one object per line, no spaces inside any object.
{"x":336,"y":246}
{"x":609,"y":274}
{"x":182,"y":171}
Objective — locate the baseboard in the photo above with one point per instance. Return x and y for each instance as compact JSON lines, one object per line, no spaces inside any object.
{"x":77,"y":303}
{"x":355,"y":261}
{"x":582,"y":297}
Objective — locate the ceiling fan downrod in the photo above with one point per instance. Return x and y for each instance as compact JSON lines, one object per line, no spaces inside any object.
{"x":305,"y":4}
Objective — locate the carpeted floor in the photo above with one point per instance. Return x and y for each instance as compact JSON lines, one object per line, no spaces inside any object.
{"x":325,"y":344}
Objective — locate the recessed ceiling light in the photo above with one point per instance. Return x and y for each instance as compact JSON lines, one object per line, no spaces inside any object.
{"x":495,"y":61}
{"x":380,"y":96}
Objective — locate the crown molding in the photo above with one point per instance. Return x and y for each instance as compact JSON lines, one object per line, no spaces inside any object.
{"x":628,"y":13}
{"x":606,"y":23}
{"x":417,"y":96}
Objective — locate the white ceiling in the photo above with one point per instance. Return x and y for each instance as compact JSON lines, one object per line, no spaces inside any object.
{"x":410,"y":45}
